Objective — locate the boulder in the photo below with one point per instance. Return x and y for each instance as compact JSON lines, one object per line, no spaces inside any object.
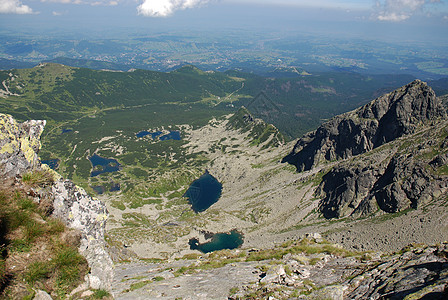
{"x":19,"y":145}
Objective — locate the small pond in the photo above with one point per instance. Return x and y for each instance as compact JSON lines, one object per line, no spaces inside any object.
{"x":219,"y":241}
{"x":172,"y":135}
{"x":52,"y":163}
{"x":115,"y":187}
{"x":204,"y":192}
{"x":103,"y":165}
{"x":66,"y":130}
{"x":101,"y":189}
{"x":154,"y":135}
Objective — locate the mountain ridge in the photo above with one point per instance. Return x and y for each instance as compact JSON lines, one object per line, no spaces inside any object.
{"x":380,"y":121}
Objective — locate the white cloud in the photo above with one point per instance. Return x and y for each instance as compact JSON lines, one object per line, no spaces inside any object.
{"x":399,"y":10}
{"x":391,"y":16}
{"x":14,"y":7}
{"x":164,"y":8}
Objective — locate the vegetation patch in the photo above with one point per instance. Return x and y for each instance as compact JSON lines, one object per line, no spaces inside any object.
{"x":32,"y":242}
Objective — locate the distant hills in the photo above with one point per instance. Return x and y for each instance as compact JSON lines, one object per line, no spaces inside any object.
{"x":51,"y":91}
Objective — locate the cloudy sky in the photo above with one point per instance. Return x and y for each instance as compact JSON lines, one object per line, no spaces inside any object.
{"x":347,"y":16}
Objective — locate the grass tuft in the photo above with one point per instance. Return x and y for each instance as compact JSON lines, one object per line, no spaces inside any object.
{"x":100,"y":294}
{"x":37,"y":271}
{"x":38,"y":178}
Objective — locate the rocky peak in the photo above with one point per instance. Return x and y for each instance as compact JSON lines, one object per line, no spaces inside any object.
{"x":261,"y":133}
{"x":407,"y":169}
{"x":385,"y":119}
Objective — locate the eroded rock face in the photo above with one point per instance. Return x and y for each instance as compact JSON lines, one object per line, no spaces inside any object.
{"x":19,"y":144}
{"x":346,"y":186}
{"x":407,"y":131}
{"x":79,"y":211}
{"x":383,"y":120}
{"x":404,"y":174}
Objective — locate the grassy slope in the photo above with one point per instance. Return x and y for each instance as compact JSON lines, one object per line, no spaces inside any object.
{"x":37,"y":251}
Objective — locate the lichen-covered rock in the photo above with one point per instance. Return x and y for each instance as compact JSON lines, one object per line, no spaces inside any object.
{"x":383,"y":120}
{"x":19,"y":145}
{"x":80,"y":211}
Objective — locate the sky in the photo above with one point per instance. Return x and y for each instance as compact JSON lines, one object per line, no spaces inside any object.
{"x":389,"y":18}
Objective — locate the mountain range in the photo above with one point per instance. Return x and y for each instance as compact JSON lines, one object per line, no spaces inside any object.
{"x":330,"y":215}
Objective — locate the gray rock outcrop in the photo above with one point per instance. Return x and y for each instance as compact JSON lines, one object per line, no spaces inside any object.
{"x":79,"y":211}
{"x":19,"y":145}
{"x":416,"y":272}
{"x":383,"y":120}
{"x":387,"y":146}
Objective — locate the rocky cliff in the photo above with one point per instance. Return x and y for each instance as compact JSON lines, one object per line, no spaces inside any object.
{"x":393,"y":154}
{"x":403,"y":174}
{"x":262,"y":134}
{"x":385,"y":119}
{"x":19,"y":145}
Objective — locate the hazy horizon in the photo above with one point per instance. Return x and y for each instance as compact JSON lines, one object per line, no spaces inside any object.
{"x":414,"y":21}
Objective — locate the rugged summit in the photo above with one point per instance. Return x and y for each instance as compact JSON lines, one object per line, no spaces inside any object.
{"x":383,"y":120}
{"x":395,"y":151}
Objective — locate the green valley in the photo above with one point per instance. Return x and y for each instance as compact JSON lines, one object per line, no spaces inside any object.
{"x":90,"y":111}
{"x":127,"y":118}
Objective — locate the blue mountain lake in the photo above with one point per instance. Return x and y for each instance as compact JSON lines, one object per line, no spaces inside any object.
{"x":103,"y":165}
{"x":99,"y":189}
{"x":52,"y":163}
{"x":154,"y":135}
{"x":219,"y":241}
{"x":204,"y":192}
{"x":172,"y":135}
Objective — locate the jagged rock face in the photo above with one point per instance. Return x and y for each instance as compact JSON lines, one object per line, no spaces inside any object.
{"x":383,"y":120}
{"x":19,"y":145}
{"x":344,"y":188}
{"x":402,"y":174}
{"x":79,"y":211}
